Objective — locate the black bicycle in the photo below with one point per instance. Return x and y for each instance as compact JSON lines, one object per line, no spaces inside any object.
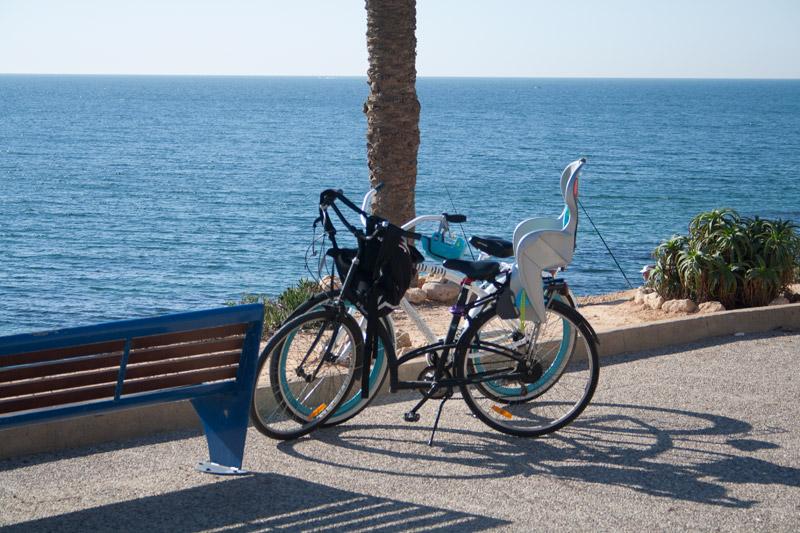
{"x":520,"y":377}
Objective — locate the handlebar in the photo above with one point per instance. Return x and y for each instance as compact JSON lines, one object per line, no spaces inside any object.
{"x":442,"y":219}
{"x":327,"y":200}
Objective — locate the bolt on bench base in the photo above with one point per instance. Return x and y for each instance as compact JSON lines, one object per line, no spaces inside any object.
{"x":209,"y":467}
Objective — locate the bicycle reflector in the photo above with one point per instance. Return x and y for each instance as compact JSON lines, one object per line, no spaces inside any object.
{"x":500,"y":411}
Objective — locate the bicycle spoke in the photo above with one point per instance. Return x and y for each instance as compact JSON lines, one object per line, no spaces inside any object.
{"x":305,"y":372}
{"x":527,"y":386}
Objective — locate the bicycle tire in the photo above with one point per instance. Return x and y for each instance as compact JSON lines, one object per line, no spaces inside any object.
{"x":354,"y":403}
{"x":532,"y":396}
{"x":551,"y":326}
{"x":319,"y":381}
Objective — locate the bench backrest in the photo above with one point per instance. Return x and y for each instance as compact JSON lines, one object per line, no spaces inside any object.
{"x":54,"y":374}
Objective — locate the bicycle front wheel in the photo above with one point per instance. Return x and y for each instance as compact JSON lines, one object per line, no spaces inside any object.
{"x":531,"y":380}
{"x":305,"y":372}
{"x":379,"y":364}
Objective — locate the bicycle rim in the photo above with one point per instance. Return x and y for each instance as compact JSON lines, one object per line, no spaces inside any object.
{"x":354,"y":403}
{"x":305,"y":372}
{"x":527,"y":388}
{"x":553,"y":340}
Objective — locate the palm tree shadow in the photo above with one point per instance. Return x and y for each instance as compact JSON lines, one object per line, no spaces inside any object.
{"x":661,"y":452}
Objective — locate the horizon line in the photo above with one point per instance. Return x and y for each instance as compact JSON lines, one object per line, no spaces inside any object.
{"x":364,"y":76}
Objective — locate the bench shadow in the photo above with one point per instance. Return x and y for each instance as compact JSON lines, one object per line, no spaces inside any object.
{"x":661,"y":452}
{"x":11,"y":463}
{"x":261,"y":502}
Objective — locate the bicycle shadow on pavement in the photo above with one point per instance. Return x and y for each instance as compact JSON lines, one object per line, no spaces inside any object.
{"x":261,"y":502}
{"x":657,"y":451}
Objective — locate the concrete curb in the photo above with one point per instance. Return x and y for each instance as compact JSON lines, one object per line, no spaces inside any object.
{"x":674,"y":332}
{"x":132,"y":423}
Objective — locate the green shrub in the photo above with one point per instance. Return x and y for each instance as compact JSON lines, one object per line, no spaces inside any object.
{"x":276,"y":310}
{"x":740,"y":262}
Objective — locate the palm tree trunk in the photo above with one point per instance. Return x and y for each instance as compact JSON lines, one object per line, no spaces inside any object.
{"x":392,"y":107}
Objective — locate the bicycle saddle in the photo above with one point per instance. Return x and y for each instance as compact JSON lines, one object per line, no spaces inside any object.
{"x":481,"y":270}
{"x":492,"y":245}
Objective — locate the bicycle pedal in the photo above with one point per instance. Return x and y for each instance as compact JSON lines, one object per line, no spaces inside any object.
{"x":411,"y":417}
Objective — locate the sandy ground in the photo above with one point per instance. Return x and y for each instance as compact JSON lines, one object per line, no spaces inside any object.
{"x":604,"y":312}
{"x":610,"y":311}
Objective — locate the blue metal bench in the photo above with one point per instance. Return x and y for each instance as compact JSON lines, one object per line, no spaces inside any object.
{"x":208,"y":357}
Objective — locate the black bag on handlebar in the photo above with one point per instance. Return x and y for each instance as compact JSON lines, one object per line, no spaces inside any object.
{"x":381,"y":278}
{"x":385,"y":273}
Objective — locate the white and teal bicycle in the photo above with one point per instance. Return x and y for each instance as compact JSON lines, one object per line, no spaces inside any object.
{"x":552,"y":333}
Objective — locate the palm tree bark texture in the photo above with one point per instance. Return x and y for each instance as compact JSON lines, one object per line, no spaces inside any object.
{"x":392,"y":107}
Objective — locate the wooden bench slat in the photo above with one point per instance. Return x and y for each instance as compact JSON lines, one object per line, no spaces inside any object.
{"x":71,"y":381}
{"x":188,"y":336}
{"x":224,"y":359}
{"x":182,"y":350}
{"x":93,"y":363}
{"x":54,"y":384}
{"x":178,"y":380}
{"x":114,"y":360}
{"x":59,"y":354}
{"x":58,"y":398}
{"x":107,"y":391}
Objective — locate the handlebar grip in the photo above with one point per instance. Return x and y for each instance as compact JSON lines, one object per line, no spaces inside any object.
{"x":455,"y":219}
{"x":327,"y":197}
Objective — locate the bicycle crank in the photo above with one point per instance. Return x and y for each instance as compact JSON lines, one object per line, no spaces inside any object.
{"x":429,"y":374}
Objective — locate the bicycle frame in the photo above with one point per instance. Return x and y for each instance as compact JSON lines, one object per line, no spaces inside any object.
{"x":459,"y":310}
{"x":496,"y":358}
{"x":428,"y":268}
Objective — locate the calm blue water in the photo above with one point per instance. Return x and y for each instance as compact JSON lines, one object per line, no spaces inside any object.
{"x":130,"y":196}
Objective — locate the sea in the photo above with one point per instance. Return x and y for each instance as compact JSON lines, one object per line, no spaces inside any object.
{"x":130,"y":196}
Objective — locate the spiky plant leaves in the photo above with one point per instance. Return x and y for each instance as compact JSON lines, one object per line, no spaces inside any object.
{"x":737,"y":261}
{"x":692,"y":268}
{"x":723,"y":280}
{"x":704,"y":226}
{"x":665,"y":278}
{"x":761,"y":284}
{"x":277,"y":310}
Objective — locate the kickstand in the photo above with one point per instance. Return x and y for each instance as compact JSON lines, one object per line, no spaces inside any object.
{"x":436,"y":422}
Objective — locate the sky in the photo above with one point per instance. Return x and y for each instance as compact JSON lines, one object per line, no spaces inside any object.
{"x":500,"y":38}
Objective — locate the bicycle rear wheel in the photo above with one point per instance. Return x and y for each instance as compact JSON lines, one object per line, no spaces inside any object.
{"x":305,"y":372}
{"x":555,"y":330}
{"x":530,"y":381}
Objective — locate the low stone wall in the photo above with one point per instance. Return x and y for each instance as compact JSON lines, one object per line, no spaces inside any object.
{"x":673,"y":332}
{"x":131,"y":423}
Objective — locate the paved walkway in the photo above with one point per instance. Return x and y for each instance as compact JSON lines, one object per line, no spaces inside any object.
{"x":703,"y":437}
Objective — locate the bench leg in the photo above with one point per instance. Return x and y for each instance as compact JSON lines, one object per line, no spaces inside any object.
{"x":225,"y":418}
